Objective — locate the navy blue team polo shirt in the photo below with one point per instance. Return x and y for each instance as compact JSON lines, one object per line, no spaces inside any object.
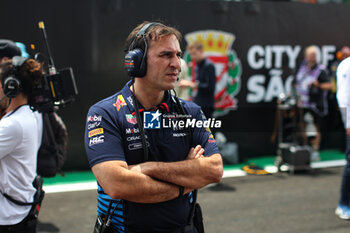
{"x":112,"y":134}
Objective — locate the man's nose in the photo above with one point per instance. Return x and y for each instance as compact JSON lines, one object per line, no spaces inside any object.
{"x":175,"y":62}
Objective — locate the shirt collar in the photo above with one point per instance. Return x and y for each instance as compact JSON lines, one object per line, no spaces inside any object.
{"x":127,"y":94}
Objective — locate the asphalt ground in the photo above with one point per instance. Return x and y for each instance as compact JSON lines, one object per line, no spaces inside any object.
{"x":276,"y":203}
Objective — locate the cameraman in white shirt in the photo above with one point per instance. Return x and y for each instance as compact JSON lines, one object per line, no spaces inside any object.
{"x":20,"y":138}
{"x":343,"y":97}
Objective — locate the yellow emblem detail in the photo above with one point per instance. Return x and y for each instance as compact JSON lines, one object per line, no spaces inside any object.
{"x":95,"y":132}
{"x":217,"y":42}
{"x":120,"y":102}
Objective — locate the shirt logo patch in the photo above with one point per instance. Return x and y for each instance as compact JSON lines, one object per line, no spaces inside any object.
{"x":132,"y":130}
{"x":130,"y":101}
{"x":131,"y":119}
{"x":152,"y":120}
{"x":93,"y":125}
{"x":211,"y":139}
{"x":97,"y":140}
{"x":135,"y":146}
{"x":120,"y":102}
{"x":95,"y":132}
{"x":208,"y":129}
{"x":176,"y":135}
{"x":94,"y":118}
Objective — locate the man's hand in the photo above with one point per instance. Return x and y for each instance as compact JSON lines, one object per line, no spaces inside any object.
{"x":315,"y":83}
{"x":195,"y":153}
{"x":185,"y":83}
{"x":348,"y":132}
{"x":135,"y":168}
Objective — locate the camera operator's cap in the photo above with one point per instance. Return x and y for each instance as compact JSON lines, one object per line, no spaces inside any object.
{"x":23,"y":49}
{"x":9,"y":49}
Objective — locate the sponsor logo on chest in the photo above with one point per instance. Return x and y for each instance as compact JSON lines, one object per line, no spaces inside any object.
{"x":97,"y":140}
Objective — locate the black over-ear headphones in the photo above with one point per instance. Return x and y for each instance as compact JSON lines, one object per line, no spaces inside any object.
{"x":11,"y":85}
{"x":135,"y":60}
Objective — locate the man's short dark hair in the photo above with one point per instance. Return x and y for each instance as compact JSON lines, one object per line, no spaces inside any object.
{"x":9,"y":49}
{"x":154,"y":33}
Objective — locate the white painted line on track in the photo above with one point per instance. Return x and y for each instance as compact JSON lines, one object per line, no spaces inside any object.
{"x":234,"y":173}
{"x":332,"y":163}
{"x":273,"y":169}
{"x":58,"y":188}
{"x":92,"y":185}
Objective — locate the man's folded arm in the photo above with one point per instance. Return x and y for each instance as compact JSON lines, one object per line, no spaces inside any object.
{"x":119,"y":182}
{"x":191,"y":173}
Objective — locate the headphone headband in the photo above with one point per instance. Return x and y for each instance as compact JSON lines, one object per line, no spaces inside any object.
{"x":135,"y":60}
{"x":142,"y":33}
{"x":145,"y":27}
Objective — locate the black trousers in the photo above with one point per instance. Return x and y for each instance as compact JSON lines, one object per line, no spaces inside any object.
{"x":25,"y":226}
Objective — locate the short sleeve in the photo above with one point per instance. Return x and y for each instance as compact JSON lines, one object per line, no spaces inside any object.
{"x":323,"y":77}
{"x":103,"y":141}
{"x":202,"y":135}
{"x":10,"y":136}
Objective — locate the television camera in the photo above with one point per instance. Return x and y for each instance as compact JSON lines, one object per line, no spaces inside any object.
{"x":57,"y":88}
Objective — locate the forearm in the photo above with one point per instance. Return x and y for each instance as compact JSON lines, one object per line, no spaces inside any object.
{"x":194,"y":173}
{"x":133,"y":186}
{"x":145,"y":189}
{"x":326,"y":86}
{"x":203,"y":86}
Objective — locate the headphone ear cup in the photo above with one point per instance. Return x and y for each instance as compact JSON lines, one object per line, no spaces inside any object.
{"x":11,"y":87}
{"x":135,"y":63}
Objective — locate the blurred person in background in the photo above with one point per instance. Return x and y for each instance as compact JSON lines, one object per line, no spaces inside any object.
{"x":343,"y":97}
{"x":333,"y":121}
{"x":20,"y":139}
{"x":205,"y":79}
{"x":181,"y":91}
{"x":343,"y":53}
{"x":312,"y":84}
